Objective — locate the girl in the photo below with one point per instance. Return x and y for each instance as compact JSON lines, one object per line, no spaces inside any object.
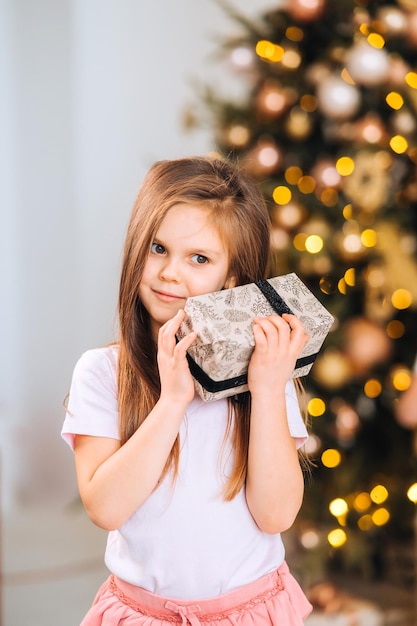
{"x":194,"y":494}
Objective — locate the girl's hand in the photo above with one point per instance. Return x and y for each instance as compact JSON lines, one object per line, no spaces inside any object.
{"x":176,"y":380}
{"x":279,"y":340}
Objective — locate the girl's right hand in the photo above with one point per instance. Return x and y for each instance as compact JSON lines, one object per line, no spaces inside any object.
{"x":176,"y":380}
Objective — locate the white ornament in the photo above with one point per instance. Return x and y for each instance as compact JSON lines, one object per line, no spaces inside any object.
{"x":337,"y":99}
{"x":368,"y":65}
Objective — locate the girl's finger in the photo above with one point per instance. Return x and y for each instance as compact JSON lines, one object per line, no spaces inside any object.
{"x":184,"y":343}
{"x":297,"y":328}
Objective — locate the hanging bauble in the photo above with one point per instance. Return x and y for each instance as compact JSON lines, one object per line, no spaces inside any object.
{"x":305,"y":10}
{"x":367,"y":65}
{"x":337,"y":99}
{"x":366,"y":344}
{"x":393,"y":20}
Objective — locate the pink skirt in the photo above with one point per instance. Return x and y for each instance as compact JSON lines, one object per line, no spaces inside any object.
{"x":275,"y":599}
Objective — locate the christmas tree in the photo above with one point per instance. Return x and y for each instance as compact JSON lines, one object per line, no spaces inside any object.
{"x":328,"y":127}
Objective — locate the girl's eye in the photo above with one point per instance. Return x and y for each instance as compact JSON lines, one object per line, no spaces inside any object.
{"x":157,"y":248}
{"x":200,"y":259}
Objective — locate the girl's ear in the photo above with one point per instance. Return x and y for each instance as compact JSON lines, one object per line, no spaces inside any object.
{"x":230,"y":282}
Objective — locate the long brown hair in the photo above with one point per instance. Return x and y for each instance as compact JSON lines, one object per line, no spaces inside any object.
{"x":239,"y":212}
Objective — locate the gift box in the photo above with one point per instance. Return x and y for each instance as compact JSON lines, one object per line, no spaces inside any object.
{"x":223,"y":321}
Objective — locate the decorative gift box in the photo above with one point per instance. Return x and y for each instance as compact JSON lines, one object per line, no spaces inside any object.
{"x":219,"y":357}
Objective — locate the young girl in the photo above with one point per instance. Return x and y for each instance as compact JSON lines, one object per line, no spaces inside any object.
{"x":194,"y":494}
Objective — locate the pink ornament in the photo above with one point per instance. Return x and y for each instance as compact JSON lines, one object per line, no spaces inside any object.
{"x":306,"y":10}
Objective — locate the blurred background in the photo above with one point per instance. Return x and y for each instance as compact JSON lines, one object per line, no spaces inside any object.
{"x":319,"y":101}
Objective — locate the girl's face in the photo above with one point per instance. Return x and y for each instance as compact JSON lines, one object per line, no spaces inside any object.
{"x":187,"y":258}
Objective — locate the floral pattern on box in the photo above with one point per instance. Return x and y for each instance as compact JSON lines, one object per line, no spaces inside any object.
{"x":223,"y":322}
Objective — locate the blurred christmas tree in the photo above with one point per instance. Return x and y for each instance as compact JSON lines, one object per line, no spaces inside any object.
{"x":328,"y":126}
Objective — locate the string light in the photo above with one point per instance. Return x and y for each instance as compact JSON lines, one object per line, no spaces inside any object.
{"x":269,"y":51}
{"x":369,"y":238}
{"x":350,"y":277}
{"x":281,"y":194}
{"x":362,"y":501}
{"x":411,"y":79}
{"x":394,"y":100}
{"x":331,"y":458}
{"x":398,"y":144}
{"x":345,"y":165}
{"x":379,"y":494}
{"x":365,"y":522}
{"x":372,"y":388}
{"x":314,"y":244}
{"x":337,"y":537}
{"x":293,"y":174}
{"x":381,"y":516}
{"x":316,"y":407}
{"x":412,"y":493}
{"x":395,"y":329}
{"x":306,"y":184}
{"x":401,"y":378}
{"x":376,"y":40}
{"x":338,"y":507}
{"x":401,"y":299}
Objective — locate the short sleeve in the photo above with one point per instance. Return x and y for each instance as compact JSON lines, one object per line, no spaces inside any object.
{"x":296,"y":423}
{"x":92,"y":404}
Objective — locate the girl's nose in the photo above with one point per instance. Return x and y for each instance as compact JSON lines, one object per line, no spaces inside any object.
{"x":170,"y":271}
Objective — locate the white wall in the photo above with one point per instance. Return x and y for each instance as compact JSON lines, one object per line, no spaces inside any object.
{"x":94,"y":93}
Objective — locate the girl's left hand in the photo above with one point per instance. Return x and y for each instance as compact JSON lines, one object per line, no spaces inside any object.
{"x":279,"y":340}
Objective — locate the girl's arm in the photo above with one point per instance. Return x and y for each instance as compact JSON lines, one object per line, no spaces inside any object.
{"x":115,"y":480}
{"x":274,"y":484}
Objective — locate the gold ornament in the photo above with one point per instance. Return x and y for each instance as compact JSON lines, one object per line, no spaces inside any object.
{"x":369,"y":184}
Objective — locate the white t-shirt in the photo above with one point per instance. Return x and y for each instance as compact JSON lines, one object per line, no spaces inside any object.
{"x":185,"y":541}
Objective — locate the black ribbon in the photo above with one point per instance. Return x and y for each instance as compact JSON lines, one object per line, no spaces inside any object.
{"x":214,"y":386}
{"x":273,"y":297}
